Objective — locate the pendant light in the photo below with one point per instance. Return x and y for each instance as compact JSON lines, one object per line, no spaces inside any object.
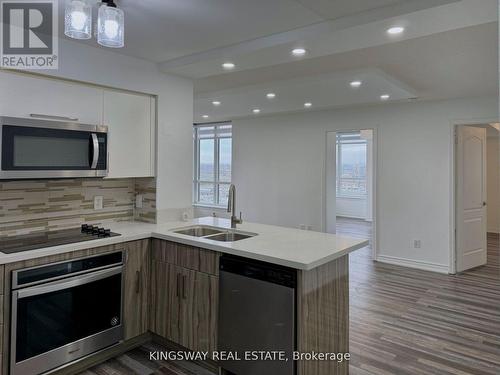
{"x":110,"y":25}
{"x":110,"y":22}
{"x":78,"y":19}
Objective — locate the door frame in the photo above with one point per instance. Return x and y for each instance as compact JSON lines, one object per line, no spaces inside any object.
{"x":375,"y":197}
{"x":453,"y":184}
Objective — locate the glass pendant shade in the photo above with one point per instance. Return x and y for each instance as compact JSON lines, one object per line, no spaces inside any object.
{"x":78,"y":19}
{"x":110,"y":26}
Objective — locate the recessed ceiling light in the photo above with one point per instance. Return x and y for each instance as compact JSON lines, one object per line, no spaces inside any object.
{"x":256,"y":110}
{"x":356,"y":84}
{"x":299,"y":52}
{"x":271,"y":95}
{"x":228,"y":65}
{"x":307,"y":105}
{"x":216,"y":102}
{"x":385,"y":97}
{"x":205,"y":116}
{"x":395,"y":30}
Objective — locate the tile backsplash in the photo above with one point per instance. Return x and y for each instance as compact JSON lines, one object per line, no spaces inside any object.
{"x":28,"y":206}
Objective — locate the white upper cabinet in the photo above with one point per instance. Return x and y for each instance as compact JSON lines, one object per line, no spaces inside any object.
{"x":130,"y":119}
{"x":24,"y":95}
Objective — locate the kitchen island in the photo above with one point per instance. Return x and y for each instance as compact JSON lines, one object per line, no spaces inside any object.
{"x":171,"y":282}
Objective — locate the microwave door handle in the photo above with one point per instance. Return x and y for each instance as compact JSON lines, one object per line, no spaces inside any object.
{"x":68,"y":283}
{"x":95,"y":151}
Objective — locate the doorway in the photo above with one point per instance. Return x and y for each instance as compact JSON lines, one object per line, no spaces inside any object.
{"x":477,"y":215}
{"x":351,"y":185}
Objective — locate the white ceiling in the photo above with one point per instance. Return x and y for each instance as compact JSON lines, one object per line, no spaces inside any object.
{"x":339,"y":36}
{"x":325,"y":90}
{"x":449,"y":49}
{"x":333,"y":9}
{"x":160,"y":30}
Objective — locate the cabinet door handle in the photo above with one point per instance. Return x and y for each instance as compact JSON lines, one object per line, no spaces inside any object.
{"x":184,"y":293}
{"x":137,"y":281}
{"x":179,"y":281}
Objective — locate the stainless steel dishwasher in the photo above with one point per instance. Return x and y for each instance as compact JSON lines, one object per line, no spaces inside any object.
{"x":257,"y":313}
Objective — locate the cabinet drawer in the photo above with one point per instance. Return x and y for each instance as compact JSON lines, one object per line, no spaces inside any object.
{"x":186,"y":256}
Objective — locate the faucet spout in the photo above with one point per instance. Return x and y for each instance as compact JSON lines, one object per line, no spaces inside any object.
{"x":231,"y":206}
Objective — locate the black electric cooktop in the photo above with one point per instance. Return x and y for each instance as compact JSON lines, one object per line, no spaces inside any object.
{"x":16,"y":244}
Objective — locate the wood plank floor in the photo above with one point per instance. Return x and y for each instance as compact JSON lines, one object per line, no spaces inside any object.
{"x":411,"y":322}
{"x":403,"y":321}
{"x":137,"y":362}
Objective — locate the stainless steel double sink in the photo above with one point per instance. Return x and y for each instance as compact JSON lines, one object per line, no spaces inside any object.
{"x":213,"y":233}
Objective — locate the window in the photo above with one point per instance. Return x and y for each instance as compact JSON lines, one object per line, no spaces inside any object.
{"x":212,"y":164}
{"x":351,"y":165}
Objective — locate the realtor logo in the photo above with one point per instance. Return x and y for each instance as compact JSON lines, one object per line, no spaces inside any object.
{"x":29,"y":34}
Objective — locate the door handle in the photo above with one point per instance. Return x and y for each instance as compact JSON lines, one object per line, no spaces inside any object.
{"x":137,"y":281}
{"x":68,"y":283}
{"x":95,"y":151}
{"x":484,"y":204}
{"x":179,"y":281}
{"x":184,"y":293}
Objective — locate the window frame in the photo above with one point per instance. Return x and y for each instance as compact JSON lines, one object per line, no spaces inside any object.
{"x":216,"y":163}
{"x":339,"y":177}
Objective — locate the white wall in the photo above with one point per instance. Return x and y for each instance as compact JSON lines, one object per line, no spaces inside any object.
{"x":279,"y":171}
{"x":493,"y":187}
{"x":102,"y":66}
{"x":352,"y":207}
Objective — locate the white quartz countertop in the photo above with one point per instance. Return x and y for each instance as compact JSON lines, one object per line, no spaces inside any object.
{"x":289,"y":247}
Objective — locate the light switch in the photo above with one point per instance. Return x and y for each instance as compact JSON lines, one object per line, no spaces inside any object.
{"x":139,"y":201}
{"x":98,"y":202}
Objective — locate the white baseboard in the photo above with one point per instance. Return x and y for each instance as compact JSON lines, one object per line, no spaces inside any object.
{"x":417,"y":264}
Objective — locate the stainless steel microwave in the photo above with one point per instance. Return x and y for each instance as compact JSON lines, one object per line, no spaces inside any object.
{"x":32,"y":149}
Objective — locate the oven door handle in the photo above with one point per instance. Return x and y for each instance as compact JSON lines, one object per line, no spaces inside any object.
{"x":68,"y":283}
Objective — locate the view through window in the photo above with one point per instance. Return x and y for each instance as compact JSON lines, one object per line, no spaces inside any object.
{"x":351,"y":165}
{"x":212,"y":163}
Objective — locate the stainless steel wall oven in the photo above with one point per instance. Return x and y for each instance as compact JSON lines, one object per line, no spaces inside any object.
{"x":64,"y":311}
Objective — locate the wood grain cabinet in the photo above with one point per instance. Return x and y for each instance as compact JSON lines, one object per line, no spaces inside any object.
{"x":184,"y":300}
{"x":136,"y":287}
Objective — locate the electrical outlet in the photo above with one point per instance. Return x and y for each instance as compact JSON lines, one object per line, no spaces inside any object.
{"x":309,"y":227}
{"x":417,"y":244}
{"x":302,"y":227}
{"x":139,"y":201}
{"x":98,"y":202}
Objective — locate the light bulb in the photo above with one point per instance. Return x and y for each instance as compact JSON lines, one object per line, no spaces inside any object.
{"x":78,"y":19}
{"x":111,"y":28}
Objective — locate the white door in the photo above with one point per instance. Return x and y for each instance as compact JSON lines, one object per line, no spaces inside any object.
{"x":331,"y":183}
{"x":471,"y":198}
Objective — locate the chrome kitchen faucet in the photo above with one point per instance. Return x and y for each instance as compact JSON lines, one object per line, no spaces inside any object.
{"x":231,"y":206}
